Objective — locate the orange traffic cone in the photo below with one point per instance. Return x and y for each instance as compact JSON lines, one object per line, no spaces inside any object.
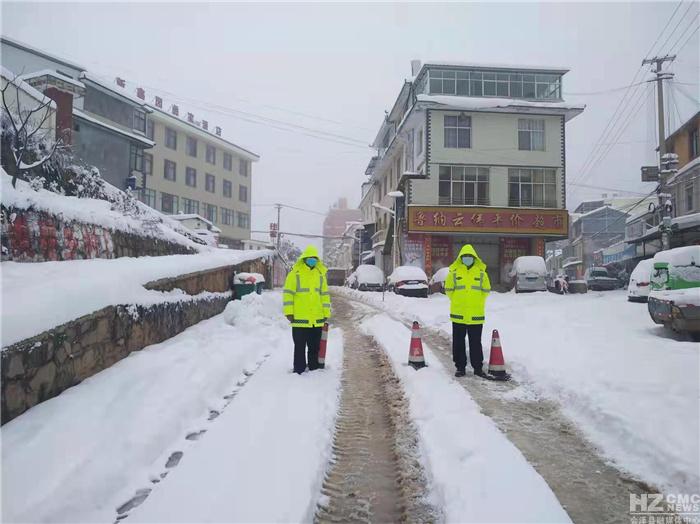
{"x":497,"y":365}
{"x":322,"y":347}
{"x":415,"y":351}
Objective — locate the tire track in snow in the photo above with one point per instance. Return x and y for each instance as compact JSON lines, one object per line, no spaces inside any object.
{"x":375,"y":474}
{"x":141,"y":494}
{"x":589,"y":487}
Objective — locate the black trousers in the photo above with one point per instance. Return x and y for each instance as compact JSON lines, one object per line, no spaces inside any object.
{"x":306,"y":338}
{"x":459,"y":351}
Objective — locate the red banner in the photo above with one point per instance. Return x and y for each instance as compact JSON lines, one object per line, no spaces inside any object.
{"x":488,"y":220}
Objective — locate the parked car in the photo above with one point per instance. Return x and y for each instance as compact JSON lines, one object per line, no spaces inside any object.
{"x":674,"y":298}
{"x":367,"y":278}
{"x":437,"y":281}
{"x":528,"y":274}
{"x":598,"y":279}
{"x":409,"y":281}
{"x":638,"y":288}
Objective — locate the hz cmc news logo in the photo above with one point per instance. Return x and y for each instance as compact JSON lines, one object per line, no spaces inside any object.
{"x":656,"y":508}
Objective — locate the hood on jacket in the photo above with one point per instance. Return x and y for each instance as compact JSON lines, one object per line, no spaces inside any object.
{"x":309,"y":252}
{"x":468,"y":249}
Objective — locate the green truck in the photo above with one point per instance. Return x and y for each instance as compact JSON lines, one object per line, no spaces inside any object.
{"x":674,"y":298}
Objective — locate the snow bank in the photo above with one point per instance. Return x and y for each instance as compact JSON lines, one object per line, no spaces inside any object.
{"x":78,"y":456}
{"x":407,"y":273}
{"x":92,"y":211}
{"x":607,"y":365}
{"x":265,"y":457}
{"x":43,"y":295}
{"x":476,"y":474}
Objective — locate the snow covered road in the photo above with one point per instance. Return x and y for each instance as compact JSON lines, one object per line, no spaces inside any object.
{"x":627,"y":384}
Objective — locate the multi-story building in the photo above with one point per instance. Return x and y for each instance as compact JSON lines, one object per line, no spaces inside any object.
{"x":478,"y":153}
{"x":685,"y":184}
{"x":192,"y":170}
{"x":334,"y":227}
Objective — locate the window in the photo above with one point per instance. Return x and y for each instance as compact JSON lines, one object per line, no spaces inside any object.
{"x":168,"y":203}
{"x":148,"y":197}
{"x":228,"y":188}
{"x":530,"y":135}
{"x":491,"y":83}
{"x":694,"y":148}
{"x":243,"y":167}
{"x":191,"y":146}
{"x":191,"y":176}
{"x":170,"y":138}
{"x":150,"y":129}
{"x":228,"y":162}
{"x":243,"y":193}
{"x":419,"y":144}
{"x":458,"y":131}
{"x":147,"y":164}
{"x":689,"y":196}
{"x":532,"y":187}
{"x":463,"y":186}
{"x":169,"y":170}
{"x":227,"y":216}
{"x":190,"y":207}
{"x":445,"y":82}
{"x":243,"y":220}
{"x":140,"y":120}
{"x":210,"y":211}
{"x":210,"y":183}
{"x":211,"y":154}
{"x":135,"y":159}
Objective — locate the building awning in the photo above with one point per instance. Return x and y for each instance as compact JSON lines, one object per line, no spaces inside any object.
{"x":571,"y":263}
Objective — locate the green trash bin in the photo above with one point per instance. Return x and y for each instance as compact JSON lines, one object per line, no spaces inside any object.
{"x":243,"y":289}
{"x":246,"y":283}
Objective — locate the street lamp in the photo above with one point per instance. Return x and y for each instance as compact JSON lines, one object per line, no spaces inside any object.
{"x":395,"y":195}
{"x":352,"y":226}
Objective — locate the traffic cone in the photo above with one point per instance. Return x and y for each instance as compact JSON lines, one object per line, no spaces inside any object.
{"x":497,"y":365}
{"x":322,"y":347}
{"x":415,"y":351}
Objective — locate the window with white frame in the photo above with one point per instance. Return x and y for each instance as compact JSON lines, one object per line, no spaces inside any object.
{"x":147,"y":164}
{"x":243,"y":193}
{"x":227,"y":216}
{"x":471,"y":82}
{"x":168,"y":203}
{"x":170,"y":138}
{"x":532,"y":187}
{"x":243,"y":220}
{"x":211,"y":154}
{"x":150,"y":129}
{"x":228,"y":162}
{"x":190,"y":206}
{"x":243,"y":167}
{"x":191,"y":146}
{"x":210,"y":211}
{"x":530,"y":134}
{"x":191,"y":177}
{"x":210,"y":183}
{"x":148,"y":197}
{"x":228,"y":189}
{"x":458,"y":131}
{"x":140,"y":120}
{"x":463,"y":185}
{"x":169,"y":170}
{"x":136,"y":158}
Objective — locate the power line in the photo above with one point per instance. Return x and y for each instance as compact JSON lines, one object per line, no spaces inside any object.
{"x":606,"y":91}
{"x":636,"y":193}
{"x":625,"y":210}
{"x":688,"y":39}
{"x":690,"y":5}
{"x":291,"y":207}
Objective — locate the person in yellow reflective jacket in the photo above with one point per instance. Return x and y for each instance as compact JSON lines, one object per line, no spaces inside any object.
{"x":307,"y":305}
{"x":467,"y":285}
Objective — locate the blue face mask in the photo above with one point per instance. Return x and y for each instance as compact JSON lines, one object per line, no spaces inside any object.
{"x":311,"y":261}
{"x":468,"y":260}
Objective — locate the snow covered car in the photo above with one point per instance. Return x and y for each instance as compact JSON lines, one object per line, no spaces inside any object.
{"x":367,"y":278}
{"x":437,"y":281}
{"x":409,"y":281}
{"x":529,"y":273}
{"x":638,"y":288}
{"x":598,"y":279}
{"x":674,"y":299}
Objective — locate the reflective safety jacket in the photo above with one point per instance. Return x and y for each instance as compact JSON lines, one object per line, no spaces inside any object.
{"x":467,"y":289}
{"x":305,"y":295}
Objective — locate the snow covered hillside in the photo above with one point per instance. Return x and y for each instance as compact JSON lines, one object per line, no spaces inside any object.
{"x":613,"y":372}
{"x":40,"y":296}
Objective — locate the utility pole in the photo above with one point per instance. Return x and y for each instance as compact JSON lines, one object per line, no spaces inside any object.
{"x":279,"y":208}
{"x":658,"y":62}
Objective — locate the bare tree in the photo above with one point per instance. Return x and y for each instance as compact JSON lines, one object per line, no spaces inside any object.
{"x":28,"y":137}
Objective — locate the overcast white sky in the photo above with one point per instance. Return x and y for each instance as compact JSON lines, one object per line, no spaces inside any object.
{"x":337,"y":67}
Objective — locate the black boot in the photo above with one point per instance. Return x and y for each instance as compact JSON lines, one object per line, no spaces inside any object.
{"x":480,"y":373}
{"x":460,"y":373}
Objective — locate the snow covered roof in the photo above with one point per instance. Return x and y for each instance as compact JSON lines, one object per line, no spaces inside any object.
{"x":510,"y":105}
{"x":194,"y":216}
{"x":682,"y":171}
{"x":108,"y":86}
{"x":21,"y":45}
{"x":496,"y":66}
{"x":95,"y":120}
{"x":55,"y":74}
{"x":9,"y":76}
{"x":249,"y":155}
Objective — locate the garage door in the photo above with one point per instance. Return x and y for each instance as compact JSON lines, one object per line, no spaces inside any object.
{"x":488,"y":251}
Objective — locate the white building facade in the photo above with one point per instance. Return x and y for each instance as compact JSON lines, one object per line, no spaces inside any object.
{"x":478,"y":153}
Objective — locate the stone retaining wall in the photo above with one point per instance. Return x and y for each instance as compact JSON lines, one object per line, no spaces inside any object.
{"x":38,"y":236}
{"x":41,"y":367}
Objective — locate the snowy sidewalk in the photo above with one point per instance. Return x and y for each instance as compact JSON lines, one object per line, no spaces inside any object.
{"x":476,"y":473}
{"x":46,"y":294}
{"x":78,"y":456}
{"x":612,"y":371}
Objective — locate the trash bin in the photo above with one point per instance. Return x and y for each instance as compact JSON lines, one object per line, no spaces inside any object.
{"x":247,"y":283}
